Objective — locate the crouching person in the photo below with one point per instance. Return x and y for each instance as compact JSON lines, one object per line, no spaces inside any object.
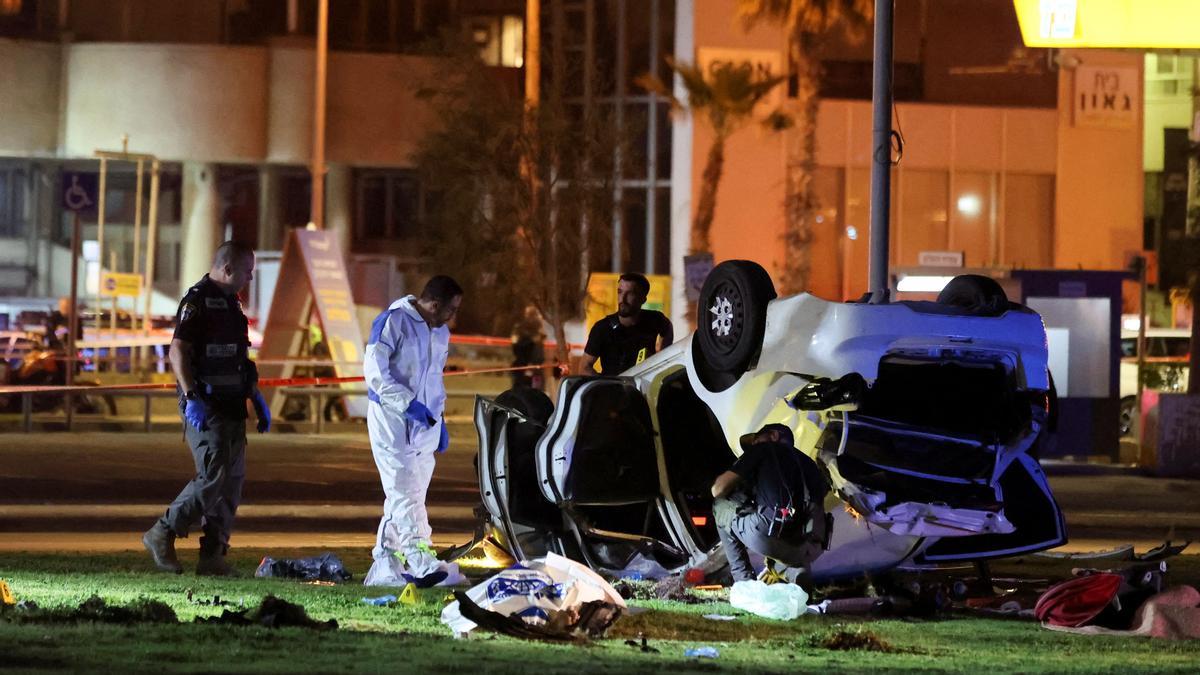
{"x":772,"y":502}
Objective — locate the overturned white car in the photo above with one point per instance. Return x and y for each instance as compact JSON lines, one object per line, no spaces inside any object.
{"x":926,"y":418}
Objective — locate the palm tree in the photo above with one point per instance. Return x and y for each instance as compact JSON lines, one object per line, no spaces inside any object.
{"x":726,"y":95}
{"x":806,"y":22}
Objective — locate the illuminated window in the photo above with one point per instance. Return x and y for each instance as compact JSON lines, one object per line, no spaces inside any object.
{"x":500,"y":39}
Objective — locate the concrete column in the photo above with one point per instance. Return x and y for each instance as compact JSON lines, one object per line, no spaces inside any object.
{"x":270,"y":218}
{"x":682,"y":137}
{"x":339,"y":204}
{"x":201,"y":222}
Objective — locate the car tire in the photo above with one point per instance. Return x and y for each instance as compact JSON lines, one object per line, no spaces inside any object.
{"x":731,"y":320}
{"x":533,"y":403}
{"x":1128,"y":406}
{"x":975,"y":293}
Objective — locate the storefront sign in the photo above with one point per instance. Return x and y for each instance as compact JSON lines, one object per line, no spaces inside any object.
{"x":940,"y":258}
{"x":1106,"y":97}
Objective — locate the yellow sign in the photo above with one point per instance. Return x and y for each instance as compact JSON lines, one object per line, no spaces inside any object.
{"x":115,"y":284}
{"x":1110,"y":24}
{"x":602,"y":295}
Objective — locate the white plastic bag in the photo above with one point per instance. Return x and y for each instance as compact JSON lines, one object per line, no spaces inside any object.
{"x":773,"y":601}
{"x":532,"y":590}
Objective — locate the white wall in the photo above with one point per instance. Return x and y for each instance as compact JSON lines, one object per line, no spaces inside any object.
{"x":195,"y":102}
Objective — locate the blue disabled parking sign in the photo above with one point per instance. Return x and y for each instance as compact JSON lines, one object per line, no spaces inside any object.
{"x":79,"y":191}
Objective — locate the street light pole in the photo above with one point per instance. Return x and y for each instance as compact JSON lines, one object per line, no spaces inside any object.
{"x":881,"y":155}
{"x":317,"y":210}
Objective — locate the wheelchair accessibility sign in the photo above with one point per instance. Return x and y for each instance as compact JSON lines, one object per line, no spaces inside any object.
{"x":79,"y":191}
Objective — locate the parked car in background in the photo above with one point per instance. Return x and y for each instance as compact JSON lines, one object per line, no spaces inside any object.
{"x":1167,"y":352}
{"x":926,"y":417}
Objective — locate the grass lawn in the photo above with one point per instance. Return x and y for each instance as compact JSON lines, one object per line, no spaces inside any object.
{"x":410,"y":638}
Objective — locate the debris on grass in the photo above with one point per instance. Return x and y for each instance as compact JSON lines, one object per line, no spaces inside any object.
{"x":641,"y":644}
{"x":273,"y":612}
{"x":854,"y":640}
{"x":702,"y":652}
{"x":96,"y":610}
{"x":325,"y":567}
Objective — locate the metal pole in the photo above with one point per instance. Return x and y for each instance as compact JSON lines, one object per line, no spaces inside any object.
{"x":317,"y":215}
{"x":73,"y":317}
{"x":881,"y":156}
{"x":100,"y":243}
{"x":137,"y":255}
{"x":1141,"y":351}
{"x":151,"y":245}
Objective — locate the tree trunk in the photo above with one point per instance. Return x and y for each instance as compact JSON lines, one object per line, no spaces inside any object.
{"x":800,"y":200}
{"x":706,"y":206}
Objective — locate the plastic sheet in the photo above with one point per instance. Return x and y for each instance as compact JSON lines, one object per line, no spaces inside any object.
{"x":773,"y":601}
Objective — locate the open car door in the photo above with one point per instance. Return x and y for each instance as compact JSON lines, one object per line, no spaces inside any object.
{"x":598,"y":463}
{"x":509,"y":428}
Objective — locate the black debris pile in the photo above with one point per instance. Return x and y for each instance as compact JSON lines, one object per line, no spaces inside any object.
{"x":854,"y":640}
{"x":325,"y":567}
{"x":588,"y":621}
{"x":676,"y":588}
{"x":635,"y":589}
{"x":95,"y":610}
{"x":641,"y":644}
{"x":273,"y":612}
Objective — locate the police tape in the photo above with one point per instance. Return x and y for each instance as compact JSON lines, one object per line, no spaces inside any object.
{"x":274,"y":382}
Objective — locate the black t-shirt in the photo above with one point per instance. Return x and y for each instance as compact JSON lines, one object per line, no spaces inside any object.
{"x":213,"y":323}
{"x":777,"y":473}
{"x":619,"y":347}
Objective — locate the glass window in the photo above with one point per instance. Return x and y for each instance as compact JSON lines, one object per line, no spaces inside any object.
{"x":633,"y":230}
{"x":389,"y":205}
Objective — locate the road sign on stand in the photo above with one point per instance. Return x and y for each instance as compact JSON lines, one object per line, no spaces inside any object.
{"x":313,"y":286}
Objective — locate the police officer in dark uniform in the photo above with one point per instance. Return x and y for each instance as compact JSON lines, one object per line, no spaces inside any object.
{"x":622,"y":340}
{"x":772,"y":501}
{"x":214,"y":377}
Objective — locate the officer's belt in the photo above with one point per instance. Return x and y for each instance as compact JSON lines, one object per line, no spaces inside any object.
{"x":222,"y":381}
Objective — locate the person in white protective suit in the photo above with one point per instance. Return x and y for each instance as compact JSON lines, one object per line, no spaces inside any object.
{"x":403,"y":364}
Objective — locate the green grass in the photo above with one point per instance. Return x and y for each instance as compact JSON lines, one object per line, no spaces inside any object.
{"x":411,"y":638}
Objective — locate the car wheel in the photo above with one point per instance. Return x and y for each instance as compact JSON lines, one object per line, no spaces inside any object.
{"x":1127,"y":410}
{"x":533,"y":403}
{"x":979,"y":295}
{"x":732,"y":319}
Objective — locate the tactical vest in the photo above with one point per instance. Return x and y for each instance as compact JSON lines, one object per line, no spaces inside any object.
{"x":219,"y":355}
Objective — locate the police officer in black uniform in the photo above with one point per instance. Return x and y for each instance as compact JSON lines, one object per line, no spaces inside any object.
{"x":624,"y":339}
{"x":214,"y":377}
{"x":772,"y":501}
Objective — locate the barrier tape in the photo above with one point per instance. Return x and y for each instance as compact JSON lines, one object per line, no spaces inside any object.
{"x":262,"y":383}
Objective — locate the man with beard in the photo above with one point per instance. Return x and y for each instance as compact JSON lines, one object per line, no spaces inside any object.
{"x":625,"y":339}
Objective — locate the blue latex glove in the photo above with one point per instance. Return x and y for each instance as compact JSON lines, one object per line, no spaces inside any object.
{"x":195,"y":411}
{"x":444,"y":441}
{"x":262,"y":410}
{"x":418,"y":413}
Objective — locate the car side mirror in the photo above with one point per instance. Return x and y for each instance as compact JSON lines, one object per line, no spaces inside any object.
{"x":823,"y":393}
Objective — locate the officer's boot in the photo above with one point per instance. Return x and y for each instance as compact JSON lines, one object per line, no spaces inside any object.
{"x":160,"y":542}
{"x":212,"y":559}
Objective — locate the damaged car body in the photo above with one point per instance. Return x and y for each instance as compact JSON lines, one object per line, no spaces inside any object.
{"x":926,"y":417}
